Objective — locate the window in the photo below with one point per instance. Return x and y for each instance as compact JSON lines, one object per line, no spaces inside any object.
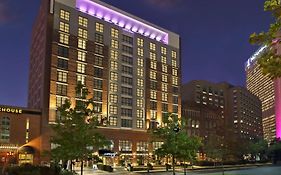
{"x":164,"y":97}
{"x":62,"y":76}
{"x":153,"y":105}
{"x":81,"y":68}
{"x":125,"y":145}
{"x":61,"y":89}
{"x":153,"y":95}
{"x":174,"y":80}
{"x":139,"y":92}
{"x":142,"y":146}
{"x":127,"y":59}
{"x":127,"y":49}
{"x":174,"y":72}
{"x":164,"y":68}
{"x":114,"y":65}
{"x":164,"y":59}
{"x":114,"y":44}
{"x":165,"y":107}
{"x":140,"y":72}
{"x":127,"y":70}
{"x":126,"y":101}
{"x":98,"y":49}
{"x":127,"y":80}
{"x":112,"y":121}
{"x":140,"y":62}
{"x":140,"y":52}
{"x":113,"y":98}
{"x":153,"y":114}
{"x":140,"y":113}
{"x":175,"y":109}
{"x":97,"y":107}
{"x":113,"y":87}
{"x":81,"y":43}
{"x":98,"y":60}
{"x":127,"y":39}
{"x":163,"y":50}
{"x":64,"y":15}
{"x":175,"y":89}
{"x":140,"y":103}
{"x":113,"y":109}
{"x":97,"y":96}
{"x":60,"y":101}
{"x":156,"y":145}
{"x":64,"y":38}
{"x":153,"y":85}
{"x":126,"y":123}
{"x":153,"y":65}
{"x":175,"y":100}
{"x":152,"y":46}
{"x":114,"y":33}
{"x":152,"y":75}
{"x":81,"y":79}
{"x":127,"y":91}
{"x":113,"y":54}
{"x":81,"y":56}
{"x":64,"y":27}
{"x":174,"y":63}
{"x":98,"y":72}
{"x":126,"y":112}
{"x":164,"y":87}
{"x":164,"y":78}
{"x":82,"y":33}
{"x":83,"y":21}
{"x":5,"y":129}
{"x":63,"y":51}
{"x":140,"y":42}
{"x":152,"y":56}
{"x":97,"y":84}
{"x":139,"y":123}
{"x":174,"y":54}
{"x":99,"y":27}
{"x":140,"y":82}
{"x":62,"y":64}
{"x":113,"y":76}
{"x":98,"y":38}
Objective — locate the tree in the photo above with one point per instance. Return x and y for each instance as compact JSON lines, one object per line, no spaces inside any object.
{"x":75,"y":134}
{"x":270,"y":61}
{"x":176,"y":144}
{"x":257,"y":148}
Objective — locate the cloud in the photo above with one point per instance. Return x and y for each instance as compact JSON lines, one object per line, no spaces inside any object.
{"x":165,"y":3}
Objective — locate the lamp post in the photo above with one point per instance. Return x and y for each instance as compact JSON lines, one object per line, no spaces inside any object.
{"x":176,"y":129}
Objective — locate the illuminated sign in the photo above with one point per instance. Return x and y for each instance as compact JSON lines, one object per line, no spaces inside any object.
{"x":256,"y":55}
{"x":11,"y":110}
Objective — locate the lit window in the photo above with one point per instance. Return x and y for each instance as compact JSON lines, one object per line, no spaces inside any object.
{"x":140,"y":42}
{"x":174,"y":63}
{"x":152,"y":56}
{"x":174,"y":54}
{"x":140,"y":103}
{"x":174,"y":72}
{"x":140,"y":113}
{"x":113,"y":98}
{"x":114,"y":33}
{"x":64,"y":38}
{"x":164,"y":87}
{"x":139,"y":92}
{"x":164,"y":59}
{"x":153,"y":114}
{"x":140,"y":82}
{"x":64,"y":27}
{"x":175,"y":81}
{"x":81,"y":79}
{"x":153,"y":65}
{"x":164,"y":78}
{"x":164,"y":68}
{"x":112,"y":121}
{"x":113,"y":54}
{"x":81,"y":56}
{"x":163,"y":50}
{"x":64,"y":15}
{"x":114,"y":44}
{"x":140,"y":52}
{"x":153,"y":95}
{"x":113,"y":87}
{"x":113,"y":65}
{"x":152,"y":46}
{"x":139,"y":123}
{"x":62,"y":76}
{"x":164,"y":97}
{"x":81,"y":43}
{"x":113,"y":76}
{"x":99,"y":27}
{"x":125,"y":145}
{"x":113,"y":110}
{"x":83,"y":21}
{"x":81,"y":68}
{"x":82,"y":33}
{"x":60,"y":101}
{"x":140,"y":62}
{"x":153,"y":75}
{"x":140,"y":72}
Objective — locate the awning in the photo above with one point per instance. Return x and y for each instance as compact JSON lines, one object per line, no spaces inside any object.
{"x":26,"y":150}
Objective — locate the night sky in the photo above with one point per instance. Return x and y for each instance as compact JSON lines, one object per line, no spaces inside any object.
{"x":214,"y":36}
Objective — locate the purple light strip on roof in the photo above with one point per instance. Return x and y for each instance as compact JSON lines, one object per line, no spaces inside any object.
{"x":119,"y":19}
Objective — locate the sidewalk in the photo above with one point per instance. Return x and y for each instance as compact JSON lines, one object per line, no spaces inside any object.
{"x":117,"y":170}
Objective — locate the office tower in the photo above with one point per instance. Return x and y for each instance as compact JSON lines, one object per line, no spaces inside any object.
{"x":263,"y":87}
{"x":130,"y":66}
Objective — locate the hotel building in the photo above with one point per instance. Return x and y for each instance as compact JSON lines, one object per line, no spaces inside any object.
{"x":130,"y":66}
{"x":263,"y":87}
